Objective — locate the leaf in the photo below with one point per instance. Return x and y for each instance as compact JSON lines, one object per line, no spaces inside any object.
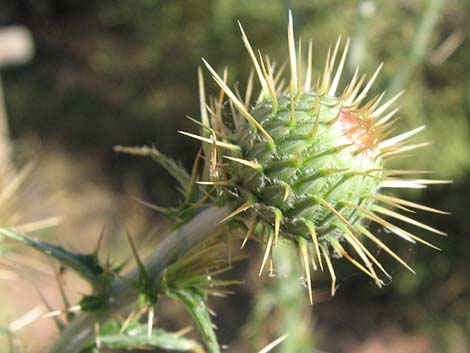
{"x":135,"y":336}
{"x":86,"y":265}
{"x":195,"y":302}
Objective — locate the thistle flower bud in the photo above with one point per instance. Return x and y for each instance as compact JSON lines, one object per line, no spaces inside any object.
{"x":307,"y":162}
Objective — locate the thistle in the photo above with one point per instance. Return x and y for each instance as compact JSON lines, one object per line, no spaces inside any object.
{"x":307,"y":163}
{"x":302,"y":162}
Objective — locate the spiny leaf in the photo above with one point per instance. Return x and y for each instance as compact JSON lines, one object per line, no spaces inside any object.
{"x":86,"y":265}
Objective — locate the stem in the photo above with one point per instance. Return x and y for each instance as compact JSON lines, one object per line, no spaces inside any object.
{"x":419,"y":46}
{"x":5,"y":145}
{"x":366,"y":10}
{"x":80,"y":333}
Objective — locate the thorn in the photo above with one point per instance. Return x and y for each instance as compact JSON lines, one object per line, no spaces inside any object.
{"x":140,"y":265}
{"x":127,"y":321}
{"x":401,"y":183}
{"x":99,"y":242}
{"x":351,"y":239}
{"x":292,"y":109}
{"x":270,"y":83}
{"x":37,"y":225}
{"x":202,"y":98}
{"x":71,"y":309}
{"x":63,"y":294}
{"x":397,"y":150}
{"x":97,"y":335}
{"x":313,"y":131}
{"x":387,"y":117}
{"x":215,"y":182}
{"x":308,"y":76}
{"x":366,"y":89}
{"x":292,"y":56}
{"x":330,"y":269}
{"x":205,"y":127}
{"x":388,"y":199}
{"x":240,"y":209}
{"x":332,"y":63}
{"x":194,"y":174}
{"x":299,"y":66}
{"x":384,"y":247}
{"x":279,"y":73}
{"x":273,"y":344}
{"x":390,"y":172}
{"x":27,"y":319}
{"x":221,"y":144}
{"x":271,"y":267}
{"x":355,"y":91}
{"x":250,"y":232}
{"x":304,"y":254}
{"x":239,"y":105}
{"x":277,"y":224}
{"x":151,"y":206}
{"x":384,"y":106}
{"x":266,"y":253}
{"x":313,"y":234}
{"x":397,"y":230}
{"x":350,"y":86}
{"x":256,"y":166}
{"x":252,"y":55}
{"x":397,"y":139}
{"x":371,"y":105}
{"x":326,"y":74}
{"x":332,"y":209}
{"x":287,"y":192}
{"x":367,"y":252}
{"x":249,"y":89}
{"x":339,"y":70}
{"x":213,"y":159}
{"x":337,"y":246}
{"x":150,"y":321}
{"x":406,"y":219}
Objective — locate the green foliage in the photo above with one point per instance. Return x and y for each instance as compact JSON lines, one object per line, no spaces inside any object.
{"x":189,"y":280}
{"x":195,"y":302}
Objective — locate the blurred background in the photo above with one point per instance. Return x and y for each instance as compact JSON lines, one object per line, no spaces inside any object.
{"x":102,"y":73}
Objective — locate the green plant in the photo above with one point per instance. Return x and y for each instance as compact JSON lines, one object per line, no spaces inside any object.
{"x":301,"y":164}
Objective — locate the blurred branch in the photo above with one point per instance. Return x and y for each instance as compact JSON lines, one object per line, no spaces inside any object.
{"x":5,"y":148}
{"x":419,"y":45}
{"x":447,"y":47}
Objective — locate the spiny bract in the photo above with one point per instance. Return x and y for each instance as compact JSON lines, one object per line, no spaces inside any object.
{"x":305,"y":164}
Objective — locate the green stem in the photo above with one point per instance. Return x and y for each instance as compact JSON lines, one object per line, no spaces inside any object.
{"x":366,"y":10}
{"x":419,"y":46}
{"x":80,"y":333}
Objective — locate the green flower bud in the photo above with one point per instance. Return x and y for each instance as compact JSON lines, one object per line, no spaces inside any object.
{"x":308,"y":163}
